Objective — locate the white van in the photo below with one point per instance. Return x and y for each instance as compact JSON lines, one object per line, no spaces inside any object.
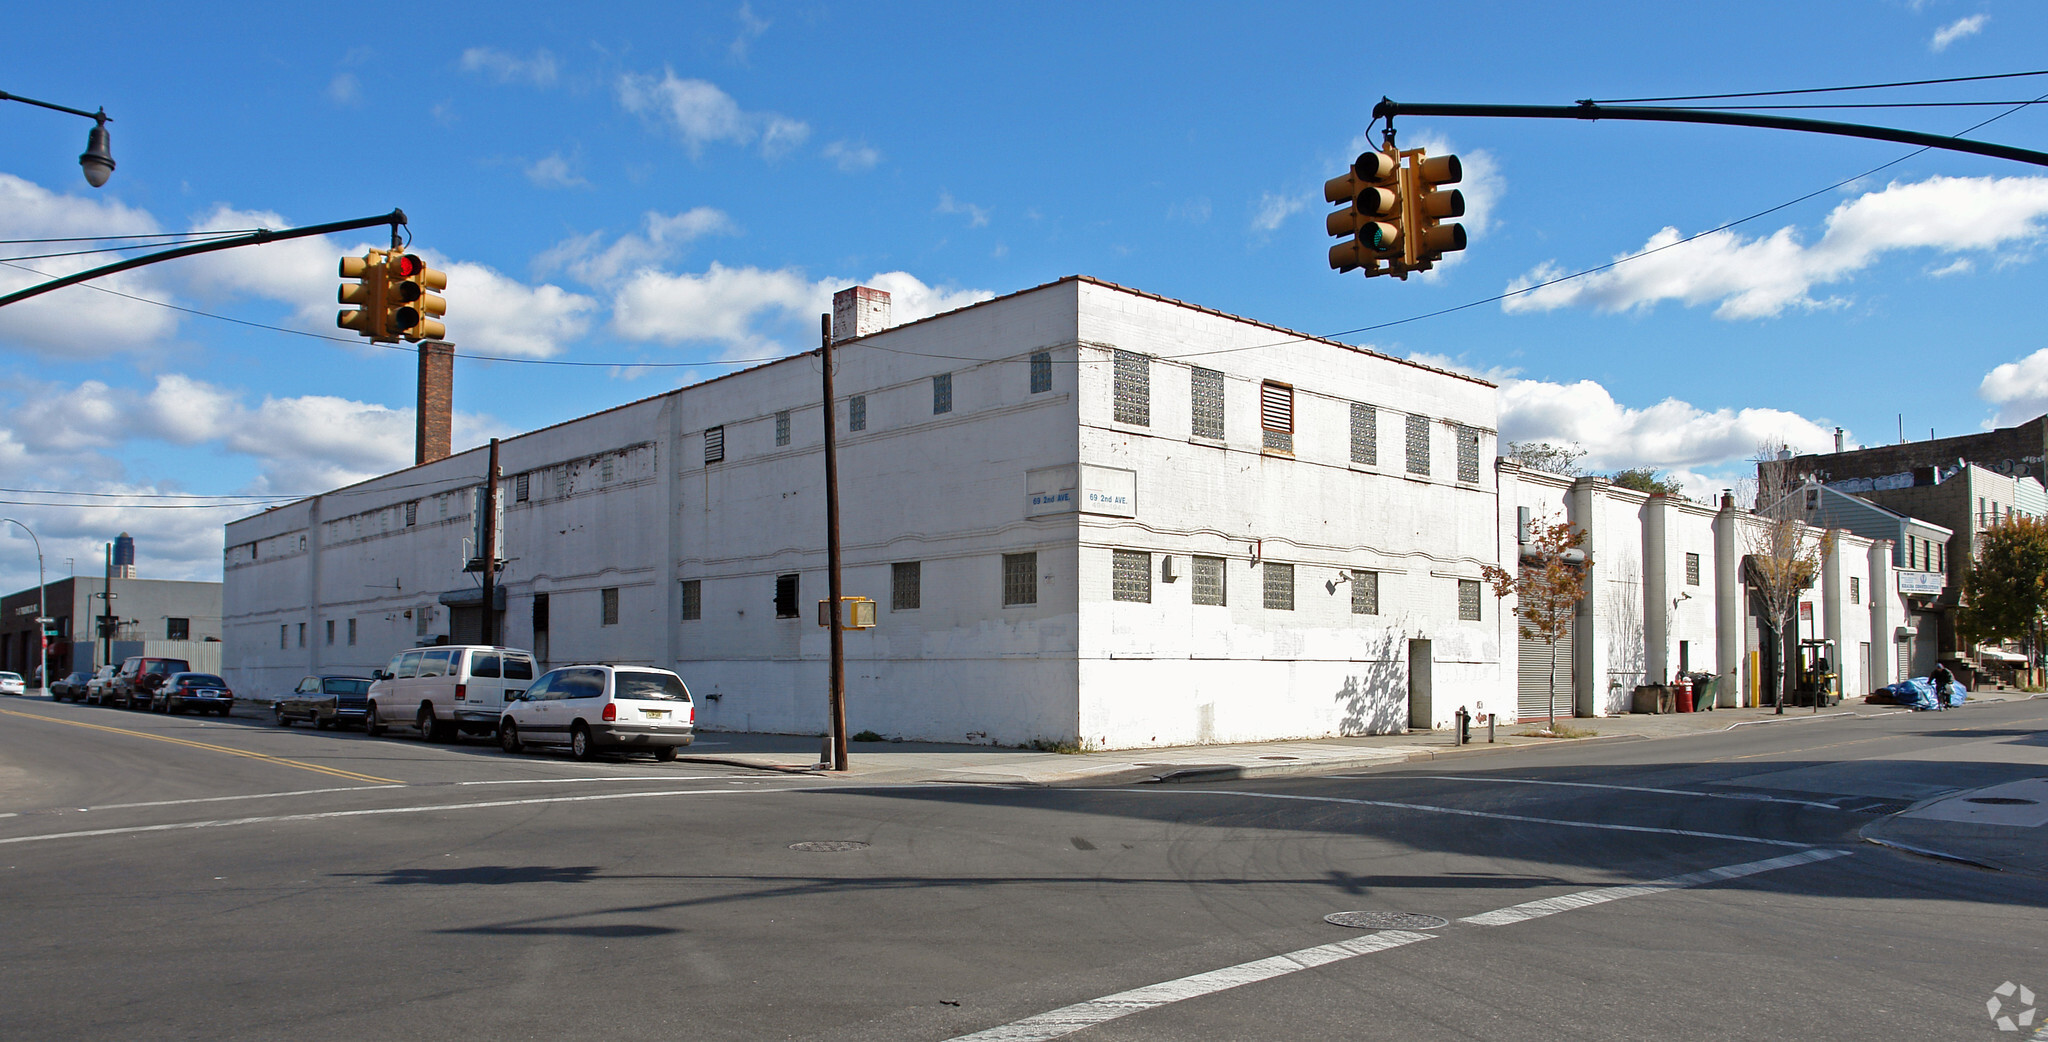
{"x":445,"y":690}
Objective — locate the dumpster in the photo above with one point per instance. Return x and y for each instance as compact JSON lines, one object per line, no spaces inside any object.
{"x":1652,"y":698}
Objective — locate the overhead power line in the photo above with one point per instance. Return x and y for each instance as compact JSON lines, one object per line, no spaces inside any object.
{"x":1818,"y":90}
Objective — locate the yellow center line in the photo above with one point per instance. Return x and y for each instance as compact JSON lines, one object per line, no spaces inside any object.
{"x":335,"y":771}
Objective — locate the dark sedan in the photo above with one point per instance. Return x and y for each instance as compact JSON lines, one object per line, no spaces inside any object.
{"x":72,"y":687}
{"x":326,"y":701}
{"x":202,"y":691}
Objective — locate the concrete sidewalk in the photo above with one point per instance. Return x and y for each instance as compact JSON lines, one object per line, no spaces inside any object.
{"x":899,"y":762}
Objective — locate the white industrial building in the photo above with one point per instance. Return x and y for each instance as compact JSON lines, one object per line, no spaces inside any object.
{"x":1087,"y":513}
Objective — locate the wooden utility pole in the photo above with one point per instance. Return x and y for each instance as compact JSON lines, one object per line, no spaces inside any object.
{"x":837,"y":703}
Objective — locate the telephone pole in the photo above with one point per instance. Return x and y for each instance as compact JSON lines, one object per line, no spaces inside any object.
{"x":836,"y":703}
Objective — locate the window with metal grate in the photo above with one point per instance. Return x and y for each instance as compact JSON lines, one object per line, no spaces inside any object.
{"x":1365,"y":434}
{"x":1365,"y":593}
{"x":1205,"y":390}
{"x":1131,"y":576}
{"x":714,"y":444}
{"x":522,"y":488}
{"x":1131,"y":386}
{"x":1418,"y":445}
{"x":942,"y":393}
{"x":1209,"y":580}
{"x":693,"y":600}
{"x":1020,"y":579}
{"x":1041,"y":372}
{"x":857,"y":413}
{"x":1468,"y":600}
{"x":906,"y":585}
{"x":785,"y":596}
{"x":609,"y":597}
{"x":1276,"y":416}
{"x":1468,"y":454}
{"x":782,"y":427}
{"x":1279,"y":581}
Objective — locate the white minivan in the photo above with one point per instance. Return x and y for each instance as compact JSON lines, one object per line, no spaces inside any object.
{"x":455,"y":688}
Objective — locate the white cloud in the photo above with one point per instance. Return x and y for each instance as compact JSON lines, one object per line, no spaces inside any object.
{"x":553,"y":171}
{"x":585,"y":259}
{"x":78,"y":321}
{"x":851,"y":156}
{"x":539,"y":70}
{"x":737,"y":307}
{"x":2019,"y":389}
{"x":751,"y":28}
{"x":977,"y":217}
{"x":1957,"y":30}
{"x":345,"y":89}
{"x":1761,"y":277}
{"x":703,"y":114}
{"x":491,"y":314}
{"x":1193,"y":211}
{"x":1273,"y":208}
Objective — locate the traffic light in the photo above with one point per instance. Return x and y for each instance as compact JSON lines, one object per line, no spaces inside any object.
{"x":414,"y":307}
{"x":1371,"y":217}
{"x":1430,"y":206}
{"x":368,"y":317}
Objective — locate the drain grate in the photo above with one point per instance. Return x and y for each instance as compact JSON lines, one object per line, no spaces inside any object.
{"x":1279,"y":757}
{"x":2001,"y":801}
{"x":1387,"y":920}
{"x":828,"y":846}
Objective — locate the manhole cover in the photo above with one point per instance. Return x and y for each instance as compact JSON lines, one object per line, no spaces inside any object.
{"x":828,"y":846}
{"x":1279,"y":757}
{"x":1387,"y":920}
{"x":2001,"y":801}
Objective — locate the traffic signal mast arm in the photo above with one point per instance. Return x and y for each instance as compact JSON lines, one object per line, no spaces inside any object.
{"x":1388,"y":108}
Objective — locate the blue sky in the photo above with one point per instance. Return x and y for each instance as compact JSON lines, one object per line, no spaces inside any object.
{"x":636,"y":183}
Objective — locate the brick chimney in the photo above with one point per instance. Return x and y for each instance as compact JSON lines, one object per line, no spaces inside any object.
{"x":437,"y":393}
{"x":859,"y":311}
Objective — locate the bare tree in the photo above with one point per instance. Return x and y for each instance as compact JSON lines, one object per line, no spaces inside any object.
{"x":1784,"y":559}
{"x":1545,"y":456}
{"x":1547,"y":590}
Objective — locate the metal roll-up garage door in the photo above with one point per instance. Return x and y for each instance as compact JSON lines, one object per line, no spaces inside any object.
{"x":1532,"y":688}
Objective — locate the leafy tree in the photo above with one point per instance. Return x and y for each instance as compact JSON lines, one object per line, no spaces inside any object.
{"x":2005,"y":591}
{"x":1785,"y":555}
{"x":1548,"y":589}
{"x":1542,"y":455}
{"x":1645,"y":479}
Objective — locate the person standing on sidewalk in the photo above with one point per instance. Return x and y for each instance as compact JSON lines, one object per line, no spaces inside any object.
{"x":1941,"y":678}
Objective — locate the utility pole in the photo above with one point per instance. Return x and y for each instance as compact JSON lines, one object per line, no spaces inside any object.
{"x":490,"y":547}
{"x":837,"y":702}
{"x":107,"y":610}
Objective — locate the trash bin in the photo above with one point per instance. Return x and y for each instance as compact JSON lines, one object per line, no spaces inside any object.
{"x":1652,"y":698}
{"x":1684,"y":694}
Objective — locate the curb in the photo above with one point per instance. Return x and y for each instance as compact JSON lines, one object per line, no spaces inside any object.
{"x":1926,"y":852}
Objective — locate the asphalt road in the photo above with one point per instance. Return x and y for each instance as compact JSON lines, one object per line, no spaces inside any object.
{"x":178,"y":877}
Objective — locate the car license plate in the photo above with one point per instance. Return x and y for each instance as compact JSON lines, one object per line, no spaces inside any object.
{"x":654,"y":714}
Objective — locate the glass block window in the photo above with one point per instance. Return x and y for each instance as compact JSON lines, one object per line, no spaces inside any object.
{"x":1418,"y":445}
{"x":1365,"y":434}
{"x":1692,"y":569}
{"x":782,"y":427}
{"x":1041,"y":372}
{"x":351,"y":633}
{"x":1131,"y":386}
{"x":857,"y":413}
{"x":1131,"y":576}
{"x":302,"y":634}
{"x":412,"y":513}
{"x":785,"y":596}
{"x":714,"y":444}
{"x":1468,"y":454}
{"x":1206,"y":392}
{"x":1209,"y":580}
{"x":1276,"y":416}
{"x":1468,"y":600}
{"x":609,"y":604}
{"x":420,"y":618}
{"x":1365,"y":593}
{"x":522,"y":488}
{"x":942,"y":393}
{"x":330,"y":633}
{"x":693,"y":600}
{"x":1855,"y":589}
{"x":906,"y":585}
{"x":1279,"y":586}
{"x":604,"y":469}
{"x":1020,"y":579}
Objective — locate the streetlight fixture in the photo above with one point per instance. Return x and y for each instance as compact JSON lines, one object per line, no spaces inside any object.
{"x":98,"y":159}
{"x":42,"y":611}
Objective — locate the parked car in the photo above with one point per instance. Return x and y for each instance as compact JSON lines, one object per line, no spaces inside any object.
{"x":135,"y":683}
{"x":326,"y":701}
{"x":100,"y":689}
{"x":202,"y":691}
{"x":71,"y":687}
{"x":599,"y":709}
{"x":11,"y":684}
{"x":457,"y":688}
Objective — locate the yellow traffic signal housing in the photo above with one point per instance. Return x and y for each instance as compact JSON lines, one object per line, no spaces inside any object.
{"x":1430,"y":206}
{"x":413,"y":306}
{"x":1371,"y":217}
{"x":855,"y":613}
{"x":369,"y":316}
